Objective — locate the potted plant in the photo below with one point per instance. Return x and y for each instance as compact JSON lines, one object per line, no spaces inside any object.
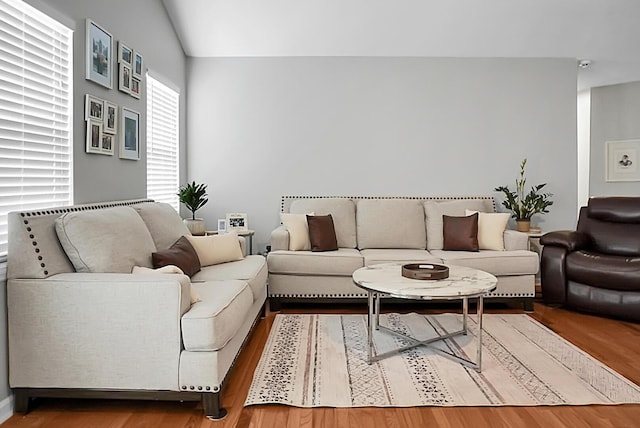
{"x":524,"y":205}
{"x":194,"y":197}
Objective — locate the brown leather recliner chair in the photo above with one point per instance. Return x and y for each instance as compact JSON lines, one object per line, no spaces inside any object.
{"x":597,"y":267}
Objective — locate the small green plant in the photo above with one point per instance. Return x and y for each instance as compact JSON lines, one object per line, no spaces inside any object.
{"x":193,"y":196}
{"x":524,"y":205}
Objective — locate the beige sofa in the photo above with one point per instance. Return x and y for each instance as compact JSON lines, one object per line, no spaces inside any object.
{"x":372,"y":230}
{"x":106,"y":332}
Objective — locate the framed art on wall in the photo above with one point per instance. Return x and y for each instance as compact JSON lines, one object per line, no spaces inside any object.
{"x":94,"y":136}
{"x":124,"y":79}
{"x":110,"y":118}
{"x":622,"y":158}
{"x":129,"y":134}
{"x":125,"y":54}
{"x":99,"y":55}
{"x":93,"y":107}
{"x":137,"y":65}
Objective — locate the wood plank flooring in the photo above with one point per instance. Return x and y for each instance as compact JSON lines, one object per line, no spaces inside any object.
{"x":615,"y":343}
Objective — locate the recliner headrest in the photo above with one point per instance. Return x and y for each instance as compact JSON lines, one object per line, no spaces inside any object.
{"x":617,"y":209}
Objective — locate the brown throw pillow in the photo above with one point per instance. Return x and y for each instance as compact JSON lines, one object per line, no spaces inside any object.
{"x":460,"y":233}
{"x":181,"y":254}
{"x":322,"y":233}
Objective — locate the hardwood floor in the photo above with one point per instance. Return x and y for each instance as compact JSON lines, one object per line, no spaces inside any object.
{"x":615,"y":343}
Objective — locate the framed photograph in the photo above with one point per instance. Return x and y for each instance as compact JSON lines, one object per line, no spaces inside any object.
{"x":99,"y":55}
{"x":110,"y":118}
{"x":124,"y":80}
{"x":237,"y":221}
{"x":107,"y":144}
{"x":137,"y":65}
{"x":135,"y":87}
{"x":125,"y":54}
{"x":222,"y":225}
{"x":622,"y":159}
{"x":94,"y":137}
{"x":93,"y":107}
{"x":129,"y":134}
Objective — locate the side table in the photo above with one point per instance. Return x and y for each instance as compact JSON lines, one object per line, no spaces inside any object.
{"x":534,"y":245}
{"x":246,"y":233}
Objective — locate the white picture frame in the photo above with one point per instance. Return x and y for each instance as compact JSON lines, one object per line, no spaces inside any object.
{"x":110,"y":118}
{"x":93,"y":107}
{"x":136,"y":87}
{"x":98,"y":54}
{"x":137,"y":65}
{"x":129,"y":134}
{"x":124,"y":78}
{"x":125,"y":54}
{"x":93,"y":138}
{"x":107,"y":143}
{"x":237,"y":221}
{"x":222,"y":225}
{"x":622,"y":160}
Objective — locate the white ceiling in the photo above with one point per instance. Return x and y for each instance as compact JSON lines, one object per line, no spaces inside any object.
{"x":607,"y":32}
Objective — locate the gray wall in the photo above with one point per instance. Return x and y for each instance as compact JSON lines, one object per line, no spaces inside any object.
{"x":615,"y":115}
{"x":260,"y":128}
{"x":144,"y":26}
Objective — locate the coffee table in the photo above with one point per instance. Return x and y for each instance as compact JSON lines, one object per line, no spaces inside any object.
{"x":463,"y":283}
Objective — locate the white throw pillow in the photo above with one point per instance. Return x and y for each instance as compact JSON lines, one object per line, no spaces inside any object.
{"x":216,"y":249}
{"x":491,"y":227}
{"x":298,"y":229}
{"x":169,"y":269}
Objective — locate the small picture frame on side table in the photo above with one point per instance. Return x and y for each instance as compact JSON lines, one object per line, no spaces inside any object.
{"x":222,"y":225}
{"x":237,"y":221}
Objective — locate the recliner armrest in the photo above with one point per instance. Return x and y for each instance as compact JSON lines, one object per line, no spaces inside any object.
{"x":569,"y":239}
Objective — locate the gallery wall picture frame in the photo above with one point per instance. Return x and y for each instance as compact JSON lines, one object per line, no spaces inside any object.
{"x":107,"y":143}
{"x":237,"y":221}
{"x":129,"y":134}
{"x":137,"y":65}
{"x":98,"y":54}
{"x":93,"y":107}
{"x":136,"y":86}
{"x":93,"y":137}
{"x":222,"y":225}
{"x":622,"y":160}
{"x":125,"y":54}
{"x":124,"y":78}
{"x":110,"y":118}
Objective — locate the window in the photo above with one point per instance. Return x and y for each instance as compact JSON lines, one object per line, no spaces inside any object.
{"x":163,"y":118}
{"x":36,"y":75}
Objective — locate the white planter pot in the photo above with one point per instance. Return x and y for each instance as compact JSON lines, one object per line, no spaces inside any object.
{"x":196,"y":227}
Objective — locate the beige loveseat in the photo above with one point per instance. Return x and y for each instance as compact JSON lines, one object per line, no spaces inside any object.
{"x":372,"y":230}
{"x":82,"y":325}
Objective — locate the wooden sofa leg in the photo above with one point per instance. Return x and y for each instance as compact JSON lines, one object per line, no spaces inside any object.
{"x":528,"y":304}
{"x":212,"y":406}
{"x":21,"y":401}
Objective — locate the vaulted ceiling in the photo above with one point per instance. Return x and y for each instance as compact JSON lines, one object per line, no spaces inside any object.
{"x":606,"y":32}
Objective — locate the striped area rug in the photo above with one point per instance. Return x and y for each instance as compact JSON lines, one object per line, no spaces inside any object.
{"x":320,"y":361}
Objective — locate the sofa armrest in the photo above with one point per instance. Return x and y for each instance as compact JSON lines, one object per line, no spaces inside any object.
{"x":280,"y":239}
{"x":515,"y":240}
{"x":96,"y":330}
{"x":571,"y":240}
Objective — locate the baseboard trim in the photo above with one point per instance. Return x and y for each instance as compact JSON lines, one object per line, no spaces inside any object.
{"x":6,"y":408}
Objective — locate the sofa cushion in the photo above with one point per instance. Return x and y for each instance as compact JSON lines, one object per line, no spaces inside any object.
{"x":296,"y":225}
{"x":374,"y":256}
{"x":322,"y":233}
{"x":216,"y":249}
{"x":180,"y":254}
{"x":163,"y":222}
{"x":212,"y":322}
{"x":107,"y":240}
{"x":491,"y":227}
{"x":342,"y":210}
{"x":498,"y":263}
{"x":342,"y":262}
{"x":460,"y":233}
{"x":252,"y":269}
{"x":434,"y":210}
{"x":390,"y":223}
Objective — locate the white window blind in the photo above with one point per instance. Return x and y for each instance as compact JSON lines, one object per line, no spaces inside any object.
{"x":36,"y":74}
{"x":163,"y":120}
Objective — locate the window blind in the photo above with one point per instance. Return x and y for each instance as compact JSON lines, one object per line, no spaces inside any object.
{"x":163,"y":120}
{"x":36,"y":55}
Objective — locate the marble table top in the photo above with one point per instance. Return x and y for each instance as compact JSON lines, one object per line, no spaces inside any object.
{"x":387,"y":278}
